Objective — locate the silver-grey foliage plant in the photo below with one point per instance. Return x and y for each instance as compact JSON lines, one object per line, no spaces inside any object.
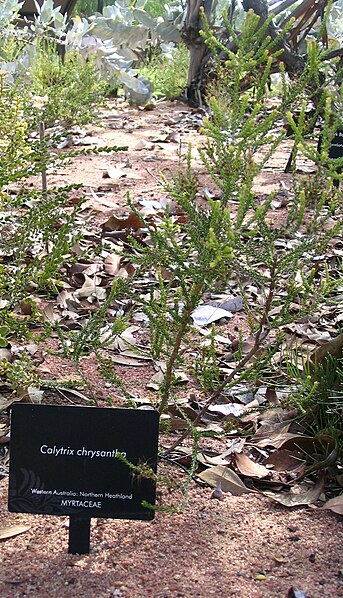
{"x":117,"y":38}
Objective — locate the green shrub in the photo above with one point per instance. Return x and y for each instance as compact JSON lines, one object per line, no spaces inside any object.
{"x":317,"y":393}
{"x":15,"y":153}
{"x":155,"y":8}
{"x":167,"y":72}
{"x":85,"y":7}
{"x":233,"y":239}
{"x":34,"y":242}
{"x":71,"y":90}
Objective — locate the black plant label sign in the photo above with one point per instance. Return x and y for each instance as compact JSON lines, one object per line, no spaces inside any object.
{"x":68,"y":461}
{"x":336,"y":147}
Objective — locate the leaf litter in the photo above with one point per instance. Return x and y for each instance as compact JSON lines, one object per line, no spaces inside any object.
{"x":265,"y":461}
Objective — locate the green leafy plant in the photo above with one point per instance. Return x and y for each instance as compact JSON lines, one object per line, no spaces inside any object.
{"x":166,"y":480}
{"x":19,"y":374}
{"x":96,"y":333}
{"x":4,"y":332}
{"x":38,"y":241}
{"x":232,"y":240}
{"x":71,"y":90}
{"x":317,"y":392}
{"x":18,"y":157}
{"x":167,"y":71}
{"x":206,"y":367}
{"x":107,"y":371}
{"x":37,"y":233}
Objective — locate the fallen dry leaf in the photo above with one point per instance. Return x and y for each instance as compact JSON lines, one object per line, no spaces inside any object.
{"x":284,"y":460}
{"x":231,"y":304}
{"x":114,"y":223}
{"x":89,"y":140}
{"x":142,"y":144}
{"x":114,"y":173}
{"x":206,"y":314}
{"x":230,"y":482}
{"x":156,"y":380}
{"x":335,"y":504}
{"x":13,"y":530}
{"x":131,"y":361}
{"x":291,"y":499}
{"x":249,"y":468}
{"x":208,"y":460}
{"x":280,"y":439}
{"x":172,"y":423}
{"x":334,"y":348}
{"x":112,"y":264}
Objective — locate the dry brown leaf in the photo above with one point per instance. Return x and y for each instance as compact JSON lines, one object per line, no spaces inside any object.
{"x":87,"y":289}
{"x":254,"y":404}
{"x":204,"y":315}
{"x":334,"y":348}
{"x":210,"y":427}
{"x":131,"y":361}
{"x":231,"y":304}
{"x":249,"y":468}
{"x":230,"y":482}
{"x":246,"y":346}
{"x":114,"y":223}
{"x":49,"y":314}
{"x":112,"y":264}
{"x":127,"y":353}
{"x":143,"y":144}
{"x":277,"y":419}
{"x":292,"y":499}
{"x":90,"y":290}
{"x":180,"y":377}
{"x":282,"y":438}
{"x":237,"y":445}
{"x":207,"y":460}
{"x":284,"y":460}
{"x":321,"y":443}
{"x":90,"y":270}
{"x":89,"y":140}
{"x":62,"y":298}
{"x":276,"y":440}
{"x":13,"y":530}
{"x":156,"y":380}
{"x":218,"y":337}
{"x":74,"y":392}
{"x":183,"y":411}
{"x":335,"y":504}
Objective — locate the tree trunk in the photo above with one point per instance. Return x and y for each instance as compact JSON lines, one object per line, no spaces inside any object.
{"x":307,"y":12}
{"x":196,"y":46}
